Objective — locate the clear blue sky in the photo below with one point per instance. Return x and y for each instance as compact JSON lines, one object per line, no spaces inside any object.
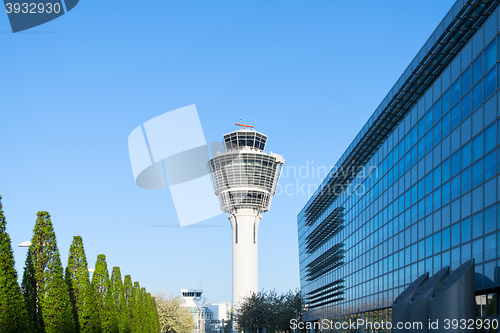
{"x":72,"y":90}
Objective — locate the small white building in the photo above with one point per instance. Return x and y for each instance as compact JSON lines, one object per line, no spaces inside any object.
{"x":221,"y":311}
{"x":196,"y":304}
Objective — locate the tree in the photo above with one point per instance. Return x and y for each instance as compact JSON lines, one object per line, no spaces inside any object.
{"x":13,"y":315}
{"x":129,"y":292}
{"x":157,"y":318}
{"x":80,"y":290}
{"x":104,"y":296}
{"x":269,"y":310}
{"x":120,"y":302}
{"x":141,"y":315}
{"x":173,"y":317}
{"x":151,"y":314}
{"x":44,"y":287}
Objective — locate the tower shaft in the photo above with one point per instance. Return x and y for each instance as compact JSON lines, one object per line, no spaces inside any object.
{"x":245,"y":226}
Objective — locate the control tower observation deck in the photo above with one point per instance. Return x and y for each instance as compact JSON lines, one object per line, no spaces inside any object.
{"x":245,"y":179}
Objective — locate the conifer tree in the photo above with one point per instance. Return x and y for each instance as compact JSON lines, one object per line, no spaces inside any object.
{"x":104,"y":296}
{"x":157,"y":316}
{"x":31,"y":300}
{"x":129,"y":292}
{"x":13,"y":315}
{"x":141,"y":316}
{"x":44,"y":287}
{"x":80,"y":290}
{"x":150,"y":312}
{"x":122,"y":314}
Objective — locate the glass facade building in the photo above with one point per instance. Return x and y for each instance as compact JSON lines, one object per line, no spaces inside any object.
{"x":418,"y":189}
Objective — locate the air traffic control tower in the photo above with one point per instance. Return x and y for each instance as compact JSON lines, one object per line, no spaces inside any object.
{"x":245,"y":178}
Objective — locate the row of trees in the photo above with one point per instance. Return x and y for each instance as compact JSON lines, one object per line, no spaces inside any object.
{"x":51,"y":300}
{"x":269,"y":310}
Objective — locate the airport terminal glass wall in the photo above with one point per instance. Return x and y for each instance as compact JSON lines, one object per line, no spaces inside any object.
{"x":426,"y":197}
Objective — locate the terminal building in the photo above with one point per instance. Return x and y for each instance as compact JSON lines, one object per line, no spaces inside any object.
{"x":417,"y":190}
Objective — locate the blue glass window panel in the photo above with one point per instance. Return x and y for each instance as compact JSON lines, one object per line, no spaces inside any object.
{"x":401,"y":167}
{"x":455,"y":258}
{"x":421,"y":128}
{"x":455,"y":92}
{"x":455,"y":187}
{"x":437,"y":111}
{"x":428,"y":120}
{"x":445,"y":100}
{"x":466,"y":180}
{"x":465,"y":106}
{"x":445,"y":125}
{"x":414,"y":253}
{"x":401,"y":148}
{"x":437,"y":133}
{"x":421,"y":209}
{"x":407,"y":142}
{"x":490,"y":138}
{"x":477,"y":225}
{"x":428,"y":183}
{"x":446,"y":170}
{"x":466,"y":230}
{"x":498,"y":53}
{"x":428,"y":246}
{"x":407,"y":160}
{"x":490,"y":56}
{"x":446,"y":258}
{"x":437,"y":263}
{"x":437,"y":177}
{"x":408,"y":255}
{"x":477,"y":69}
{"x":395,"y":156}
{"x":446,"y":193}
{"x":414,"y":155}
{"x":421,"y":250}
{"x":477,"y":147}
{"x":490,"y":165}
{"x":407,"y":199}
{"x":428,"y":141}
{"x":421,"y":189}
{"x":414,"y":194}
{"x":437,"y":198}
{"x":428,"y":204}
{"x":466,"y":156}
{"x":413,"y":135}
{"x":490,"y":82}
{"x":477,"y":250}
{"x":490,"y":220}
{"x":455,"y":234}
{"x":446,"y":239}
{"x":466,"y":81}
{"x":498,"y":236}
{"x":477,"y":95}
{"x":490,"y":247}
{"x":466,"y":255}
{"x":455,"y":116}
{"x":437,"y":242}
{"x":421,"y":148}
{"x":477,"y":173}
{"x":455,"y":163}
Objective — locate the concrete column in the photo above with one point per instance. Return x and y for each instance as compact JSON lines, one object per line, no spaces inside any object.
{"x":245,"y":224}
